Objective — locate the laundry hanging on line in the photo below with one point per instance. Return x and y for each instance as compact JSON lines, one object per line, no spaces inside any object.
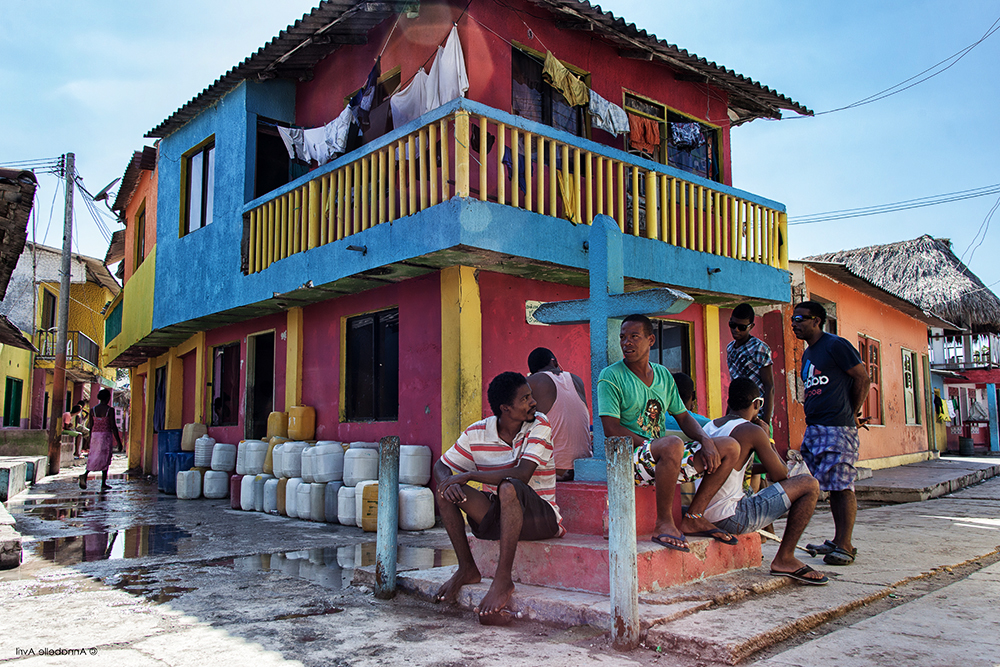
{"x":570,"y":85}
{"x":686,"y":136}
{"x":427,"y":91}
{"x":607,"y":116}
{"x":644,"y":134}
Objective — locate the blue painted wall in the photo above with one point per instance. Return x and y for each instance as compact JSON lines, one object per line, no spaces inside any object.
{"x":200,"y":272}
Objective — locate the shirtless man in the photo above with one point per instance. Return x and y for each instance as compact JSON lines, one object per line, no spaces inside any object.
{"x":510,"y":454}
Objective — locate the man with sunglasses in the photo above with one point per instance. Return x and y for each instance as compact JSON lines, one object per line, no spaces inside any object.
{"x":836,"y":386}
{"x":738,"y":513}
{"x":749,"y":357}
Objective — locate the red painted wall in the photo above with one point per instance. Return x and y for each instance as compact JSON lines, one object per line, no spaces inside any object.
{"x":145,"y":194}
{"x":414,"y":42}
{"x":508,"y":339}
{"x":859,"y":313}
{"x":419,"y":303}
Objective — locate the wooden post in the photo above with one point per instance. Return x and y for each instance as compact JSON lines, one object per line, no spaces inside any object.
{"x":622,"y":549}
{"x":462,"y":154}
{"x":388,"y":518}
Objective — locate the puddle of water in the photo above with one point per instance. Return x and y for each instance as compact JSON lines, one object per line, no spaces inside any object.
{"x":136,"y":542}
{"x":138,"y":582}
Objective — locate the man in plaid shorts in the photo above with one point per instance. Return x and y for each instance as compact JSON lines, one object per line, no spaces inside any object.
{"x":633,"y":397}
{"x":836,"y":386}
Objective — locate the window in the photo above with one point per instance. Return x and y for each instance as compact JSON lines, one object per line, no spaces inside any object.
{"x":225,"y":384}
{"x":371,"y":390}
{"x":113,"y":323}
{"x":199,"y":187}
{"x":534,"y":99}
{"x":48,"y":310}
{"x":159,"y":399}
{"x":871,"y":357}
{"x":12,"y":402}
{"x":673,"y":346}
{"x":910,"y":406}
{"x":140,"y":234}
{"x":685,"y":143}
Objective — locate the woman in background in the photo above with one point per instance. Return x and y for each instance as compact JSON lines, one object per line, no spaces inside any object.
{"x":103,"y":434}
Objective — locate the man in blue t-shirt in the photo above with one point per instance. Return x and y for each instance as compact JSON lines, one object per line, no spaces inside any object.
{"x":836,"y":386}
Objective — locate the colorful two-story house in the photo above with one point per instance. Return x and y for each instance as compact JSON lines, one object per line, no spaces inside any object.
{"x":386,"y":286}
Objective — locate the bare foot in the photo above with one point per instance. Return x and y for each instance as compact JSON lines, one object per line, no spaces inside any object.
{"x":696,"y":523}
{"x":502,"y":617}
{"x":793,"y":565}
{"x":496,"y":599}
{"x":449,"y":590}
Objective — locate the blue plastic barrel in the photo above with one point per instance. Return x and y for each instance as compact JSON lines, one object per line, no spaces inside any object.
{"x":168,"y":441}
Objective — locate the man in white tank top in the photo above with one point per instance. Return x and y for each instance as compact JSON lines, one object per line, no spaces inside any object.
{"x":737,"y":513}
{"x":561,"y":397}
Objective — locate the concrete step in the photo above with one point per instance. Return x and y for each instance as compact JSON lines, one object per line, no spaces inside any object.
{"x":13,"y":477}
{"x":925,"y":480}
{"x":10,"y":541}
{"x":580,"y":562}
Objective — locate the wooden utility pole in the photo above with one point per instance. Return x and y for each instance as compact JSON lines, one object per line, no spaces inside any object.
{"x":59,"y":368}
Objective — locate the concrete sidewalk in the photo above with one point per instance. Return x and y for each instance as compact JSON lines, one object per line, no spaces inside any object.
{"x":730,"y":617}
{"x":927,"y":479}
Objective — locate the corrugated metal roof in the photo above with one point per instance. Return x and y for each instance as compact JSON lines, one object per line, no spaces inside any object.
{"x":295,"y":51}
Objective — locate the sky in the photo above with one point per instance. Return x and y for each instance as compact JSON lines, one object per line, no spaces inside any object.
{"x":92,"y":78}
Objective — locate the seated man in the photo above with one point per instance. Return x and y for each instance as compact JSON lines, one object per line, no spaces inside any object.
{"x":685,"y":387}
{"x":633,"y":395}
{"x":737,"y":513}
{"x":511,"y":455}
{"x":561,"y":396}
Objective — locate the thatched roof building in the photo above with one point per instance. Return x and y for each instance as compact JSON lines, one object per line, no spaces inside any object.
{"x":927,"y":273}
{"x":17,"y":195}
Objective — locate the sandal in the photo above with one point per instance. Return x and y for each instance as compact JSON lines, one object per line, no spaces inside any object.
{"x":840,"y":556}
{"x":821,"y":549}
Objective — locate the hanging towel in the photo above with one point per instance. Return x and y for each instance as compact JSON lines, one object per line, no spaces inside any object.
{"x":686,"y":135}
{"x":644,"y":134}
{"x":567,"y":190}
{"x":448,"y":77}
{"x":336,"y":131}
{"x":293,"y":140}
{"x":411,"y":102}
{"x":607,"y":116}
{"x":573,"y":89}
{"x":316,"y":147}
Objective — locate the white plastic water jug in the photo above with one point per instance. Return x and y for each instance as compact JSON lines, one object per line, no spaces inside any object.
{"x":364,"y":445}
{"x":360,"y":464}
{"x":188,"y":484}
{"x":330,"y":501}
{"x":308,"y":455}
{"x":271,"y":496}
{"x":203,"y":447}
{"x":317,"y":501}
{"x":416,"y":508}
{"x":246,"y":493}
{"x":276,"y":459}
{"x":328,"y":462}
{"x":359,"y":499}
{"x":303,"y":501}
{"x":215,"y":484}
{"x":256,"y":451}
{"x":291,"y":496}
{"x":414,"y":464}
{"x":291,"y":459}
{"x":345,"y":506}
{"x":224,"y":457}
{"x":258,"y":490}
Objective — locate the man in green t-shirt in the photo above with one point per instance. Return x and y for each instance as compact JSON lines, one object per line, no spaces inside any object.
{"x":632,"y":397}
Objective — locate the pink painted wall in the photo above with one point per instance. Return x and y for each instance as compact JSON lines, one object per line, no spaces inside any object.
{"x":231,"y":334}
{"x":488,"y":59}
{"x":419,"y":303}
{"x":508,"y":339}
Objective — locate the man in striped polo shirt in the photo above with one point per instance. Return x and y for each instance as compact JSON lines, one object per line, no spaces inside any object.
{"x":510,"y":454}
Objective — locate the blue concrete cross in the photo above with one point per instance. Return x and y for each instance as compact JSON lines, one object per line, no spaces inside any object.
{"x":607,"y":305}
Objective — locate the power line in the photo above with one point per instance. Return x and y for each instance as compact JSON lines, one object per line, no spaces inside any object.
{"x":920,"y":202}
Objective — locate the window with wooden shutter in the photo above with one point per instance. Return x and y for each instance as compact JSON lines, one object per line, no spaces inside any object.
{"x":871,"y":356}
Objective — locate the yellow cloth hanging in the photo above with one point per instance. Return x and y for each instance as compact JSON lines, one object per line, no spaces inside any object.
{"x":573,"y":89}
{"x":568,"y":191}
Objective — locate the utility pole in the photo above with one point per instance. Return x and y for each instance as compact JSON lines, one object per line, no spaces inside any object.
{"x":59,"y":368}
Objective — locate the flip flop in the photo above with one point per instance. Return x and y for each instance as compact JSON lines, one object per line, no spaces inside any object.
{"x":663,"y":543}
{"x":840,"y":557}
{"x":821,"y":549}
{"x":800,"y":575}
{"x":715,"y":534}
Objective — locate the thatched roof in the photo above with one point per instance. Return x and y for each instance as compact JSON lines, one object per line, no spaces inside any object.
{"x":17,"y":195}
{"x":926,"y":272}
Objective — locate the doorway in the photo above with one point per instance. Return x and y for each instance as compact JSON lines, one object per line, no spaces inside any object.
{"x":260,"y":384}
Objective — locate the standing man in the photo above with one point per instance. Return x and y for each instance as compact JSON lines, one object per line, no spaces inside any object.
{"x":510,"y":454}
{"x":561,"y":398}
{"x":836,"y":386}
{"x":633,"y":396}
{"x":749,"y":357}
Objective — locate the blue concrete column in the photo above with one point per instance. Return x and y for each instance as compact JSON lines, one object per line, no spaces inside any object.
{"x":991,"y":402}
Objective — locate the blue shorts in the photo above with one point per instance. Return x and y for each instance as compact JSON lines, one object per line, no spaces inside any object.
{"x":831,"y":452}
{"x":757,"y":511}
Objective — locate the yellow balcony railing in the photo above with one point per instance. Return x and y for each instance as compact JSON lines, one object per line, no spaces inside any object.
{"x":466,"y":149}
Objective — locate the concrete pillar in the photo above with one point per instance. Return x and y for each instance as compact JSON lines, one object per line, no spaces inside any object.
{"x":293,"y":359}
{"x":461,"y":353}
{"x":991,"y":401}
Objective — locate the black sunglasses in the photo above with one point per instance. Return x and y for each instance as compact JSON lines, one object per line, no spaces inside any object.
{"x":799,"y":319}
{"x":740,"y":327}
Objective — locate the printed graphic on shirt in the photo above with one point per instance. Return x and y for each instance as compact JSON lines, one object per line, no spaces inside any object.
{"x":814,"y":379}
{"x":649,"y":421}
